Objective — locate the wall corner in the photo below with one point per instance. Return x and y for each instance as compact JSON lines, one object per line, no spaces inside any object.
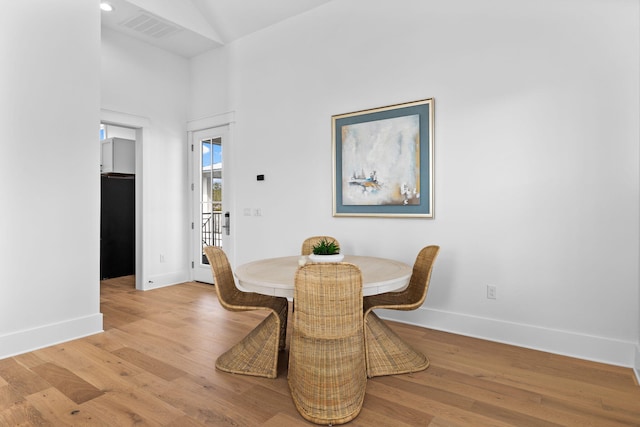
{"x":636,"y":364}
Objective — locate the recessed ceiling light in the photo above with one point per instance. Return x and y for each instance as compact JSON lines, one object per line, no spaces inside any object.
{"x":107,"y":7}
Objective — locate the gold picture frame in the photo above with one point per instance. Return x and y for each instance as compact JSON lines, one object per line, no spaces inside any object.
{"x":383,"y":161}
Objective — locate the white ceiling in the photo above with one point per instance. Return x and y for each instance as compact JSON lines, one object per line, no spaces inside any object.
{"x":191,"y":27}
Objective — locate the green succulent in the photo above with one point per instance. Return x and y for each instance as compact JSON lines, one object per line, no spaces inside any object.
{"x":326,"y":247}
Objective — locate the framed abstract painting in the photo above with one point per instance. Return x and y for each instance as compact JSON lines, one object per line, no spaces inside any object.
{"x":383,"y":161}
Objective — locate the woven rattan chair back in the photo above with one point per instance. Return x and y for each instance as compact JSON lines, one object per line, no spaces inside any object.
{"x":327,"y":370}
{"x":415,"y":293}
{"x":257,"y":353}
{"x":386,"y":352}
{"x":225,"y":285}
{"x":310,"y":242}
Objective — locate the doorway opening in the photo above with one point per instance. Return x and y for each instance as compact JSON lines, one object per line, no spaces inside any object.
{"x":117,"y":203}
{"x":140,"y":126}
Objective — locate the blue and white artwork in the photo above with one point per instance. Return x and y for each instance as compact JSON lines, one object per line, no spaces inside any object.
{"x":381,"y":162}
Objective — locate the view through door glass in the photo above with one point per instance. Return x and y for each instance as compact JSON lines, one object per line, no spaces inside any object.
{"x":211,"y":194}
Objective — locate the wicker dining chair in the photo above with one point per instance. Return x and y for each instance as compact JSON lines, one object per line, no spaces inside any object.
{"x":386,"y":352}
{"x":310,"y":242}
{"x":327,"y":372}
{"x":257,"y":353}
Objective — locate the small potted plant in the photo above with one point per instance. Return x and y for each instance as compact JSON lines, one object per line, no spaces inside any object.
{"x":326,"y":251}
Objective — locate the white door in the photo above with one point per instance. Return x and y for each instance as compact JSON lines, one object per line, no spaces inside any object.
{"x":212,"y":217}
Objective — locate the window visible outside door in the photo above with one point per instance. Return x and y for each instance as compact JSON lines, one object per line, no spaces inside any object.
{"x":212,"y":218}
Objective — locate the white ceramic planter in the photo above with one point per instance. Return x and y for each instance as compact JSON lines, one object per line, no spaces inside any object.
{"x":326,"y":258}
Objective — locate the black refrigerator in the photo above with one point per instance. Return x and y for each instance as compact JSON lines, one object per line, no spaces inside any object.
{"x":117,"y":226}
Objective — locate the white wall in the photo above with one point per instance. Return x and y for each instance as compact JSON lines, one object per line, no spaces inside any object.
{"x":209,"y":84}
{"x":143,"y":81}
{"x":536,"y":164}
{"x":49,"y":173}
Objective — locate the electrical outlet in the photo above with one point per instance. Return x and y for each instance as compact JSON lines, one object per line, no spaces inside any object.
{"x":491,"y":292}
{"x":258,"y":212}
{"x":161,"y":257}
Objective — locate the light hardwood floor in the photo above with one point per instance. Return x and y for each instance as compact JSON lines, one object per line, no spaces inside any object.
{"x":154,"y":366}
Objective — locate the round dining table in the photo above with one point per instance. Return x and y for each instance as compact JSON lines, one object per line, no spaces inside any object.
{"x":276,"y":276}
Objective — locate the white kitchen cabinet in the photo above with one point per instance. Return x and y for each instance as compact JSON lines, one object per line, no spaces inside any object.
{"x":118,"y":156}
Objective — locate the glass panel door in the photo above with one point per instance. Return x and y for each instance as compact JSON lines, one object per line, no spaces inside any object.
{"x":211,"y":193}
{"x":211,"y":220}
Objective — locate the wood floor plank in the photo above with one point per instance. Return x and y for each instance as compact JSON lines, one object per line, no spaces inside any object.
{"x":28,"y":360}
{"x":524,"y":378}
{"x":20,"y":379}
{"x":9,"y":396}
{"x":153,"y":336}
{"x":59,"y":410}
{"x":155,"y":366}
{"x":404,"y":413}
{"x":285,"y":420}
{"x":23,"y":414}
{"x":209,"y":403}
{"x":68,"y":383}
{"x":498,"y":395}
{"x":134,"y":407}
{"x":418,"y":408}
{"x":149,"y":364}
{"x":71,"y":355}
{"x":112,"y":377}
{"x":370,"y":417}
{"x":101,"y":368}
{"x":571,"y":411}
{"x":185,"y":421}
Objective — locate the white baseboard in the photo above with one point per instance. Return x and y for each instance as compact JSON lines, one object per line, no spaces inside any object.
{"x":163,"y":280}
{"x":33,"y":339}
{"x":582,"y":346}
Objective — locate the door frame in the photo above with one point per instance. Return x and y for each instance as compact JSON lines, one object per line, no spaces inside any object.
{"x":141,"y":125}
{"x":226,"y":121}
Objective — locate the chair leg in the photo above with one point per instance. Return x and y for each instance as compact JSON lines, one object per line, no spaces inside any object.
{"x":284,"y":313}
{"x":387,"y":353}
{"x":257,"y":353}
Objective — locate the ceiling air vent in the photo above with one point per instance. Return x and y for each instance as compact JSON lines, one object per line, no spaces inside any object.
{"x":150,"y":25}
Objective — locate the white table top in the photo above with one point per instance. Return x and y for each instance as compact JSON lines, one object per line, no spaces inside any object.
{"x":275,"y":276}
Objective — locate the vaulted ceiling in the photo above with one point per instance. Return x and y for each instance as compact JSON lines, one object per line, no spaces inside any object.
{"x":191,"y":27}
